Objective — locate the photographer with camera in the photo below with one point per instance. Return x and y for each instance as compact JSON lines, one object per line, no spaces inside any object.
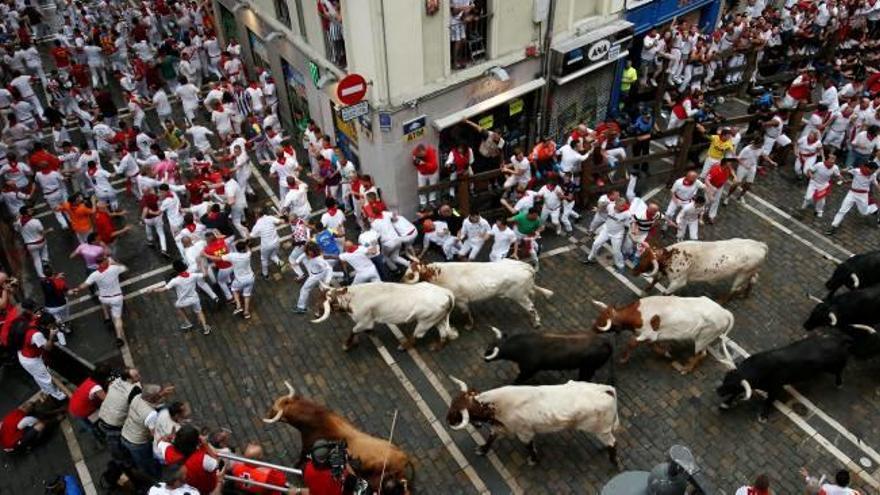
{"x":327,"y":472}
{"x":32,"y":337}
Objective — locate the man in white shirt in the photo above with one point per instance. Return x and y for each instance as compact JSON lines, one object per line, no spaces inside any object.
{"x":749,"y":158}
{"x":319,"y":272}
{"x":243,"y":281}
{"x":473,"y":234}
{"x":189,"y":98}
{"x":683,"y":191}
{"x":358,"y":258}
{"x":34,"y":237}
{"x":106,"y":279}
{"x":265,"y":228}
{"x":864,"y":178}
{"x":184,"y":285}
{"x":503,"y":238}
{"x":820,"y":175}
{"x":200,"y":135}
{"x":163,"y":106}
{"x":552,"y":196}
{"x":237,"y":202}
{"x":571,"y":156}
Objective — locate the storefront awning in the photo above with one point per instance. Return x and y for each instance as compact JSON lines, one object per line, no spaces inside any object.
{"x":590,"y":68}
{"x":454,"y":118}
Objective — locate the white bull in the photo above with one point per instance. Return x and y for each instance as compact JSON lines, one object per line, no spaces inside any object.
{"x":525,"y":411}
{"x":659,"y":319}
{"x":392,"y":304}
{"x":704,"y":261}
{"x":473,"y":282}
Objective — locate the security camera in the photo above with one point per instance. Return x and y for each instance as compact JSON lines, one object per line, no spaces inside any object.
{"x":498,"y":73}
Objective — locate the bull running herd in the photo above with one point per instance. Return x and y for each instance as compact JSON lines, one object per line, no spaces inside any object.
{"x":430,"y":291}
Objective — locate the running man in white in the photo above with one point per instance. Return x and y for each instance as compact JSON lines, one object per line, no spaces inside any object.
{"x":106,"y":279}
{"x":265,"y":228}
{"x":184,"y":285}
{"x":618,"y":219}
{"x":749,"y":159}
{"x":319,"y":273}
{"x":688,"y":219}
{"x":358,"y":258}
{"x":683,"y":192}
{"x":820,"y":175}
{"x":552,"y":195}
{"x":473,"y":234}
{"x":243,"y":278}
{"x":503,"y":238}
{"x":32,"y":343}
{"x":33,"y":234}
{"x":863,"y":178}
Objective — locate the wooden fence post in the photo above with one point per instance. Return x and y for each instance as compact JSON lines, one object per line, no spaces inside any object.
{"x":685,"y":139}
{"x":464,"y":194}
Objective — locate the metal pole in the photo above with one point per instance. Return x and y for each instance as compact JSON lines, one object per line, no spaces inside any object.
{"x":544,"y":124}
{"x":232,"y":457}
{"x":282,"y":489}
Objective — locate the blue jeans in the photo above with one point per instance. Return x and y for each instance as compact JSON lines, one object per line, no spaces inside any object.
{"x":854,"y":158}
{"x":142,"y":456}
{"x":113,"y":436}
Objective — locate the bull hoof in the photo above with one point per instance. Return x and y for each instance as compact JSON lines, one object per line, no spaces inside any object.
{"x":405,"y":345}
{"x":347,"y":347}
{"x":481,"y":450}
{"x":536,"y":324}
{"x":436,"y":346}
{"x":762,"y":418}
{"x":532,"y":461}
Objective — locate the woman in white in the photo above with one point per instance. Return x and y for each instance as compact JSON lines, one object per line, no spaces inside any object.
{"x":820,"y":174}
{"x":184,"y":285}
{"x":266,"y":229}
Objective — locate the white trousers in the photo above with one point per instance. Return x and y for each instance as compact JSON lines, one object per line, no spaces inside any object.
{"x":428,"y":180}
{"x":38,"y":370}
{"x":268,"y":252}
{"x":860,"y":200}
{"x":157,"y":225}
{"x":616,"y":241}
{"x":40,"y":254}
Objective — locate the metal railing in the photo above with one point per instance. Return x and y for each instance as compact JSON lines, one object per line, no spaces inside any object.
{"x":254,"y":462}
{"x":473,"y":47}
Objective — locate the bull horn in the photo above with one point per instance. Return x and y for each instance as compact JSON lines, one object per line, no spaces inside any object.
{"x":465,"y":420}
{"x":462,"y":385}
{"x":326,"y":314}
{"x":600,"y":304}
{"x":745,"y":385}
{"x":855,"y":280}
{"x":498,"y":334}
{"x":606,"y":326}
{"x":274,"y":419}
{"x":495,"y":352}
{"x":655,"y":267}
{"x":832,"y":318}
{"x":290,"y":391}
{"x":866,"y":328}
{"x":814,"y":298}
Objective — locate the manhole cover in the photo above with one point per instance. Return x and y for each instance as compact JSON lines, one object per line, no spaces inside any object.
{"x":799,"y":409}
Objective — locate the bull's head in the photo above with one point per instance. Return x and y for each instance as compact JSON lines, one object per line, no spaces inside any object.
{"x":330,"y":299}
{"x":419,"y":271}
{"x":280,"y":406}
{"x":650,"y":262}
{"x":466,"y":409}
{"x":605,"y":320}
{"x":823,"y":315}
{"x":733,"y":389}
{"x":493,"y":350}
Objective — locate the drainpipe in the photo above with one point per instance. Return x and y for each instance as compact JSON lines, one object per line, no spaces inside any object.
{"x":385,"y":55}
{"x":544,"y":110}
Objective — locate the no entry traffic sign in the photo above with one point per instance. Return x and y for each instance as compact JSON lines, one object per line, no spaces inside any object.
{"x":351,"y":89}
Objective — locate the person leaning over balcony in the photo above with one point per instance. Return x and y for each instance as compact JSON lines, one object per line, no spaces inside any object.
{"x":461,"y":9}
{"x":425,"y":160}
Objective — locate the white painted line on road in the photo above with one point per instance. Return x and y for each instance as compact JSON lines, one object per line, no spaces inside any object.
{"x":797,"y":222}
{"x":789,"y":232}
{"x":85,"y":477}
{"x":435,"y":423}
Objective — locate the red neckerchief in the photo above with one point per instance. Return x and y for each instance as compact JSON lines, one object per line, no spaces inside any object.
{"x":551,"y":187}
{"x":687,"y":182}
{"x":213,"y":215}
{"x":254,"y":85}
{"x":625,"y":207}
{"x":332,"y":211}
{"x":281,"y":161}
{"x":92,"y":171}
{"x":25,"y":219}
{"x":14,"y":166}
{"x":183,"y":274}
{"x":191,"y":227}
{"x":103,"y":268}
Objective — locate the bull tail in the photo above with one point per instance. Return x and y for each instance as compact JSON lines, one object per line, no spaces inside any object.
{"x":544,"y":292}
{"x":451,"y":332}
{"x":728,"y":360}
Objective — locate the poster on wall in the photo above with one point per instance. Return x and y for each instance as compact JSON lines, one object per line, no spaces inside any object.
{"x":294,"y":78}
{"x":257,"y":46}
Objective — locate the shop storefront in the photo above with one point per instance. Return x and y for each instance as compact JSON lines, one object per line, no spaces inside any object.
{"x":346,"y":134}
{"x":295,"y":84}
{"x":509,"y":113}
{"x":259,"y":51}
{"x":657,"y":13}
{"x":227,"y":23}
{"x":585,"y":70}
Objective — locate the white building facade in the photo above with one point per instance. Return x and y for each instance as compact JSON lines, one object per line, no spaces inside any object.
{"x":422,"y":85}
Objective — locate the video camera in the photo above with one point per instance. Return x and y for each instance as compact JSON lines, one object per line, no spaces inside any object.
{"x":333,"y":455}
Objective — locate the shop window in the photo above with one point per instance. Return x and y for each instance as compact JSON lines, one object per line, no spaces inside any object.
{"x":331,"y":23}
{"x":468,"y":32}
{"x":282,"y":12}
{"x":300,"y":20}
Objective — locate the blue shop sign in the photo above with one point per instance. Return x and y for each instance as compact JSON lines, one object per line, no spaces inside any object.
{"x":647,"y":14}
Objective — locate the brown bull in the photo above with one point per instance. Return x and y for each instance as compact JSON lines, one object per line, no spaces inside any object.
{"x":370,"y":454}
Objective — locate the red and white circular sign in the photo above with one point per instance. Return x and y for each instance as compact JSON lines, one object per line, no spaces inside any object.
{"x":351,"y":89}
